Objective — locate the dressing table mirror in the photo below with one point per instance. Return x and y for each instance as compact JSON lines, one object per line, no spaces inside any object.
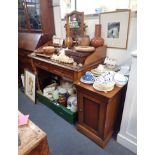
{"x":75,"y":26}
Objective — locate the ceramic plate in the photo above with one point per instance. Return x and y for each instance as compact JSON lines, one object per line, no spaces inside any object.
{"x":87,"y":82}
{"x":96,"y":73}
{"x":95,"y":86}
{"x":84,"y":48}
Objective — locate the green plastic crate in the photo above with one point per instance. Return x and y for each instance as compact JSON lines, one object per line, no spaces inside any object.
{"x":58,"y":108}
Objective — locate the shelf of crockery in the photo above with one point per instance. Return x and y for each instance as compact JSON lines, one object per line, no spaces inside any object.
{"x":61,"y":110}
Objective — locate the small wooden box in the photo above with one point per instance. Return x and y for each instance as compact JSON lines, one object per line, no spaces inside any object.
{"x":78,"y":57}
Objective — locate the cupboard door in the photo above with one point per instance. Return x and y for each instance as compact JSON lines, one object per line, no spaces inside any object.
{"x":91,"y":114}
{"x":36,"y":16}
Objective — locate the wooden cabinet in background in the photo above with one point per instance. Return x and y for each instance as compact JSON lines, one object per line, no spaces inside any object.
{"x":36,"y":16}
{"x":27,"y":43}
{"x":97,"y":112}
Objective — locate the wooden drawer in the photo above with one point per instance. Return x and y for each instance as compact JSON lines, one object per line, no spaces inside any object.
{"x":64,"y":73}
{"x":55,"y":69}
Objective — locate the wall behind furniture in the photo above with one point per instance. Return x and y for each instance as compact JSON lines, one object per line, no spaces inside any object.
{"x":127,"y":135}
{"x":121,"y":55}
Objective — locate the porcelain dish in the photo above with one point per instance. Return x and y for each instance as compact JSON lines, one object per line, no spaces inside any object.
{"x":104,"y":87}
{"x":84,"y":48}
{"x":120,"y":79}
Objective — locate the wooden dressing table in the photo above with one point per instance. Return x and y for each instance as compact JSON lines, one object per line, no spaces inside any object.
{"x":68,"y":70}
{"x":97,"y":111}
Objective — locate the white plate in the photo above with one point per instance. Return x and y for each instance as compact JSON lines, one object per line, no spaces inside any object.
{"x":84,"y":48}
{"x":101,"y":89}
{"x":87,"y":82}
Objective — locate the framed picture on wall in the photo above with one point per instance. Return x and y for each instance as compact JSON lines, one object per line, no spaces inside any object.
{"x":115,"y":28}
{"x":30,"y":85}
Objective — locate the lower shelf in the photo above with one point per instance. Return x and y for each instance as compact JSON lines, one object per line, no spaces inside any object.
{"x":58,"y":108}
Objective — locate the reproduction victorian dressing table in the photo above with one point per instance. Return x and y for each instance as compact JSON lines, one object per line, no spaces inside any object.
{"x":97,"y":111}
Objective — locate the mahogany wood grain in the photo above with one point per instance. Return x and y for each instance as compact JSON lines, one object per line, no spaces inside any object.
{"x":27,"y":43}
{"x":47,"y":16}
{"x":100,"y":52}
{"x":97,"y":112}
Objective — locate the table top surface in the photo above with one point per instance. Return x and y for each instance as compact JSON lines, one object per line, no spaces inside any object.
{"x":62,"y":65}
{"x":108,"y":95}
{"x":30,"y":136}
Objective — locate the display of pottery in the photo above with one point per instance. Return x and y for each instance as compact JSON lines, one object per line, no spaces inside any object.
{"x":84,"y":48}
{"x":125,"y":70}
{"x":68,"y":39}
{"x":110,"y":63}
{"x":45,"y":51}
{"x":85,"y":41}
{"x":105,"y":82}
{"x":98,"y":71}
{"x":72,"y":103}
{"x":120,"y":79}
{"x":68,"y":42}
{"x":97,"y":41}
{"x":48,"y":49}
{"x":62,"y":57}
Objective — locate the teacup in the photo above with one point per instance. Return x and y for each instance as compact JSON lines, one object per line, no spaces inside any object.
{"x":55,"y":94}
{"x":88,"y":76}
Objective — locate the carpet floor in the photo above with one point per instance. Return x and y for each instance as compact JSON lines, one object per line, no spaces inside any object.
{"x":63,"y":138}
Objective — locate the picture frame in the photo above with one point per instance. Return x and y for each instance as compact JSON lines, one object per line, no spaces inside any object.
{"x":30,"y":85}
{"x":57,"y":40}
{"x":115,"y":28}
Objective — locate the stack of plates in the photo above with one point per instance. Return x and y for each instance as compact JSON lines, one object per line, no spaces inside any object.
{"x":105,"y":82}
{"x":96,"y":72}
{"x":104,"y":86}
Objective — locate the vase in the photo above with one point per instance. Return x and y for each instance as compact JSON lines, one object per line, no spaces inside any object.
{"x":97,"y":41}
{"x":68,"y":42}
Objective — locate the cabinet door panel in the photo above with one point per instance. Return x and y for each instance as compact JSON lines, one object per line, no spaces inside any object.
{"x":90,"y":113}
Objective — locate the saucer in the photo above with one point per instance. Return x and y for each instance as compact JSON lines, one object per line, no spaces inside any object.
{"x":95,"y":72}
{"x":85,"y":81}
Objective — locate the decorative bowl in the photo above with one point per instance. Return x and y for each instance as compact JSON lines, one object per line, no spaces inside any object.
{"x":120,"y":79}
{"x":84,"y":48}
